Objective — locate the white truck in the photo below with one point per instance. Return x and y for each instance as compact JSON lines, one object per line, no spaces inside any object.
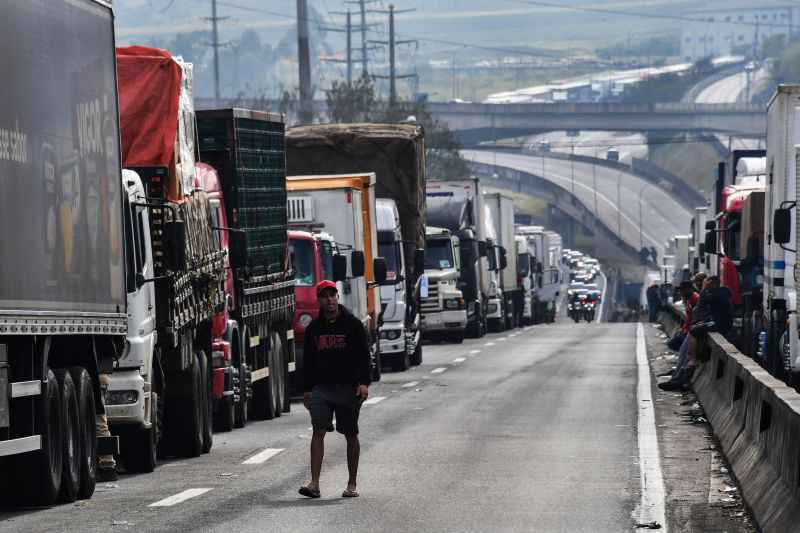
{"x":458,"y":206}
{"x":553,"y":274}
{"x":444,"y":311}
{"x":779,"y":347}
{"x":502,"y":209}
{"x":400,"y":333}
{"x":683,"y":265}
{"x":526,"y":271}
{"x":344,"y":206}
{"x":697,"y":251}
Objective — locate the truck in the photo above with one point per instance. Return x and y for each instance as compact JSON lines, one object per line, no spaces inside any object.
{"x":396,"y":154}
{"x":312,"y":257}
{"x":344,"y":206}
{"x":246,"y":148}
{"x":549,"y":271}
{"x":697,"y":251}
{"x":778,"y":348}
{"x":159,"y":398}
{"x":400,"y":334}
{"x":63,"y":286}
{"x":682,"y":264}
{"x":458,"y":207}
{"x":738,"y":243}
{"x":527,"y":275}
{"x":444,"y":310}
{"x":502,"y":209}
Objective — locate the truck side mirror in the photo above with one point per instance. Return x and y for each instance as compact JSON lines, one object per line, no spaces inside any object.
{"x":481,"y":248}
{"x":175,"y":237}
{"x":339,"y":267}
{"x":419,"y":261}
{"x":379,"y":269}
{"x":503,"y":258}
{"x":781,"y":226}
{"x":710,"y":224}
{"x":357,"y":265}
{"x":711,"y":242}
{"x":492,"y":258}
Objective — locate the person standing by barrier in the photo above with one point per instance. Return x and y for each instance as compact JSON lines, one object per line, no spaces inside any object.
{"x":336,"y":369}
{"x":653,"y":301}
{"x":679,"y":379}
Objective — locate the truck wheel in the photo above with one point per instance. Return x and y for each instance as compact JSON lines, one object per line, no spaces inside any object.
{"x":416,"y":357}
{"x":287,"y":385}
{"x":88,"y":433}
{"x":263,"y":407}
{"x":71,"y":444}
{"x":276,"y":370}
{"x":457,"y":338}
{"x":240,"y":407}
{"x":376,"y":366}
{"x":39,"y":473}
{"x":140,"y":447}
{"x":206,"y":400}
{"x":187,"y":413}
{"x":224,"y":418}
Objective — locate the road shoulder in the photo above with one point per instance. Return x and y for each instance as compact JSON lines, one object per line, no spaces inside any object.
{"x":701,"y":493}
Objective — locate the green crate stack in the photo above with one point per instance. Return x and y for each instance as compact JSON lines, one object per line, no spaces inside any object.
{"x":259,"y":164}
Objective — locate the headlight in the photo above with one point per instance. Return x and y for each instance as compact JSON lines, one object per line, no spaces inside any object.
{"x":491,"y":308}
{"x":119,"y":397}
{"x":383,"y":334}
{"x":453,"y":304}
{"x":392,"y":334}
{"x":305,"y":320}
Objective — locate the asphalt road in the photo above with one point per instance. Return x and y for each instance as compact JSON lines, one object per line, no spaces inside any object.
{"x":661,"y":215}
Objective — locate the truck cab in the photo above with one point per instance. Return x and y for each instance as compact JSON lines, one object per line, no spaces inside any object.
{"x":526,"y":274}
{"x":399,"y":336}
{"x":444,"y":312}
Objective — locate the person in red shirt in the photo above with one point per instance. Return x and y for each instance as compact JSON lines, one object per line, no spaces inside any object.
{"x":680,"y":376}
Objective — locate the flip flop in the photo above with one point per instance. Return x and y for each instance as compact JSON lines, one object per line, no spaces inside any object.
{"x":309,"y":492}
{"x":349,"y":493}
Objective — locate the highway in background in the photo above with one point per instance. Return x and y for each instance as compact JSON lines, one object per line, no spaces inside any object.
{"x":661,"y":215}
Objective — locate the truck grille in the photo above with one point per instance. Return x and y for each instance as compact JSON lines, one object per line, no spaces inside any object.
{"x":431,"y":303}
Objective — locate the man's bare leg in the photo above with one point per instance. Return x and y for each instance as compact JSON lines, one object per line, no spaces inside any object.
{"x":353,"y":452}
{"x":317,"y":452}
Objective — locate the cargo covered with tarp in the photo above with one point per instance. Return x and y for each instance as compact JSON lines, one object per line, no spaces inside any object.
{"x":394,"y":152}
{"x":157,"y":115}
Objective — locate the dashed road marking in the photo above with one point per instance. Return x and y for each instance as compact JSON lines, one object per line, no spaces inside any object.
{"x":410,"y":384}
{"x":489,"y":344}
{"x":501,"y":339}
{"x":474,"y":352}
{"x":374,"y":400}
{"x":438,"y":370}
{"x":180,"y":497}
{"x":459,"y":360}
{"x":262,"y":456}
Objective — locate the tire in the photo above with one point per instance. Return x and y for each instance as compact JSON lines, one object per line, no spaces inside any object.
{"x":276,"y":370}
{"x":88,"y":434}
{"x":187,"y":413}
{"x":39,"y":473}
{"x":456,"y":338}
{"x":225,"y":416}
{"x":71,"y":442}
{"x":377,"y":370}
{"x":403,"y":361}
{"x":288,"y":347}
{"x":206,"y":401}
{"x":140,"y":447}
{"x":263,"y":407}
{"x":416,"y":357}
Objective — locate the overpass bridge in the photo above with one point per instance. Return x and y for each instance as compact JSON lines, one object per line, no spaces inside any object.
{"x":474,"y":123}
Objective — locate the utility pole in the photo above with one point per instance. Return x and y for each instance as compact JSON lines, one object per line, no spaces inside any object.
{"x":392,"y":43}
{"x":215,"y":44}
{"x":349,"y":31}
{"x":362,"y":5}
{"x":304,"y":63}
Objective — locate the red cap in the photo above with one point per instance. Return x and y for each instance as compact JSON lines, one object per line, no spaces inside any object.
{"x":326,"y":284}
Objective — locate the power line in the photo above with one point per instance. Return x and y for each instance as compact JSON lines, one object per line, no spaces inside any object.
{"x":587,"y":9}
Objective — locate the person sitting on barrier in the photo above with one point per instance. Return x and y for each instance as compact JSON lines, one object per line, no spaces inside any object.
{"x":679,"y":376}
{"x":713,"y":313}
{"x":698,"y":280}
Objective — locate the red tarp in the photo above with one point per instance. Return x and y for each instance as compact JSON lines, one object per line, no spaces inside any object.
{"x":149,"y":83}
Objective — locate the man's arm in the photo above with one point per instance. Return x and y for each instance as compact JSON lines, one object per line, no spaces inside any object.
{"x":309,"y":360}
{"x":361,"y":348}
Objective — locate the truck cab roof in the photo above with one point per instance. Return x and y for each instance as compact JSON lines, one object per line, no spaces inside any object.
{"x":433,"y":231}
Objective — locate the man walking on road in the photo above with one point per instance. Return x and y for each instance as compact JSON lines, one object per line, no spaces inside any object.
{"x":336,"y":372}
{"x":653,"y":301}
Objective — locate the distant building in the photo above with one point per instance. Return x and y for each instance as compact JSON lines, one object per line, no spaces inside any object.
{"x":722,"y":32}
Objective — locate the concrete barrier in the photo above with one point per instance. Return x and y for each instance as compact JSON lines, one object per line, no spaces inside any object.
{"x":757,"y":420}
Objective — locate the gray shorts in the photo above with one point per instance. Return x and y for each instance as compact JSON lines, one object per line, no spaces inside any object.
{"x":340,"y":399}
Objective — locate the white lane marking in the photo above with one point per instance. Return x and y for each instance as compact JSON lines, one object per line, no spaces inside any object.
{"x":262,"y":456}
{"x":501,"y":339}
{"x":374,"y":400}
{"x":602,"y":298}
{"x":489,"y":344}
{"x":438,"y":370}
{"x":474,"y":352}
{"x":180,"y":497}
{"x":459,"y":360}
{"x":410,"y":384}
{"x":651,"y":507}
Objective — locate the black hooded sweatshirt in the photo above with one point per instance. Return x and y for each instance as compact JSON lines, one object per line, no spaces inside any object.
{"x":714,"y":304}
{"x":335,"y":353}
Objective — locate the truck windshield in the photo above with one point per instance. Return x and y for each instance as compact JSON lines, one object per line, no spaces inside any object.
{"x":303,"y":262}
{"x":326,"y":259}
{"x":389,"y":251}
{"x":438,"y":254}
